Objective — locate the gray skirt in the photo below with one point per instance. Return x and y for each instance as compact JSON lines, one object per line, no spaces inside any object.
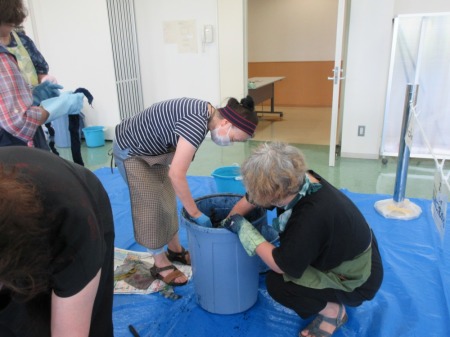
{"x":153,"y":199}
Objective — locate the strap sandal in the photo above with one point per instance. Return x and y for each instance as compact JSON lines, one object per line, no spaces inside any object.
{"x":184,"y":257}
{"x":168,"y":279}
{"x":314,"y":327}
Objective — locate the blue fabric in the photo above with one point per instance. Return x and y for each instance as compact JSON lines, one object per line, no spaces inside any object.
{"x":414,"y":299}
{"x":66,"y":104}
{"x":4,"y":50}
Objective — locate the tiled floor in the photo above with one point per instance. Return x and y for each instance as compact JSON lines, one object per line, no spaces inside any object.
{"x":356,"y":175}
{"x":299,"y":125}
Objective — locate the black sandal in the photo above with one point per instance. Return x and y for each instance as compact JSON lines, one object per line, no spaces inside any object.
{"x":183,"y":257}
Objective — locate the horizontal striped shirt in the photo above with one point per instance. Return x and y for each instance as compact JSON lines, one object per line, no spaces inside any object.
{"x":156,"y":130}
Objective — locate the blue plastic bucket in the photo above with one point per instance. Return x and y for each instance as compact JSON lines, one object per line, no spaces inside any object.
{"x":228,"y":179}
{"x":62,"y":135}
{"x":225,"y":277}
{"x":94,"y":136}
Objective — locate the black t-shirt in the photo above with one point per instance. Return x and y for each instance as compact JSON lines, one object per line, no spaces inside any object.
{"x":81,"y":232}
{"x":324,"y":229}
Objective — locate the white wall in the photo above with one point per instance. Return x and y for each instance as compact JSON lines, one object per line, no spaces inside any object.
{"x":232,"y":45}
{"x":368,"y":57}
{"x":291,"y":30}
{"x":302,"y":30}
{"x":29,"y":23}
{"x":166,"y":71}
{"x":74,"y":38}
{"x":420,"y":6}
{"x":369,"y":44}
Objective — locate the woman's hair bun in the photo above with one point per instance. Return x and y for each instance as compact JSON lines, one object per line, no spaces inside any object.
{"x":248,"y":103}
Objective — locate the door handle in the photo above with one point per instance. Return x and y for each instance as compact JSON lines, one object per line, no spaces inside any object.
{"x":336,"y":75}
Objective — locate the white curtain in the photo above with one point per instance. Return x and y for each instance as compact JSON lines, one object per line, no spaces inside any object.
{"x":420,"y":55}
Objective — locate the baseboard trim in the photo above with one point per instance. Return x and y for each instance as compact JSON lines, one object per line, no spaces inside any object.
{"x":360,"y":155}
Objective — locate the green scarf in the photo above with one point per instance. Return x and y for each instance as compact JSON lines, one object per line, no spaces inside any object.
{"x":279,"y":224}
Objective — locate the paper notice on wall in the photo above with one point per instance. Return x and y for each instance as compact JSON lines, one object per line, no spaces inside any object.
{"x":183,"y":34}
{"x":170,"y":31}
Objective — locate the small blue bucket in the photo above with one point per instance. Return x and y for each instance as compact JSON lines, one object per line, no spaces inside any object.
{"x":228,"y":179}
{"x":94,"y":136}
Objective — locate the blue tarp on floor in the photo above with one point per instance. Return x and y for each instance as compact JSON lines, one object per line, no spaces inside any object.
{"x":413,"y":300}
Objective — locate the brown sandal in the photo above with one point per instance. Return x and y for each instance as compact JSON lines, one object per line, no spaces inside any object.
{"x":169,"y":279}
{"x":184,"y":257}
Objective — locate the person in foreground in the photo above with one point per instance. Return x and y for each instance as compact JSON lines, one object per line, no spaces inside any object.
{"x":56,"y":247}
{"x":153,"y":151}
{"x":327,"y":256}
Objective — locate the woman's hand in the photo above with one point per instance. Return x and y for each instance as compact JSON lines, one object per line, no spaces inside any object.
{"x":203,"y":221}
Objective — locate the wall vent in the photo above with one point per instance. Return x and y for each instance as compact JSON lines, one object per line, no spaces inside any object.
{"x":122,"y":24}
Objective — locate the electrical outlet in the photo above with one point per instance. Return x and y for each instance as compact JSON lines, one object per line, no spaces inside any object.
{"x":361,"y":130}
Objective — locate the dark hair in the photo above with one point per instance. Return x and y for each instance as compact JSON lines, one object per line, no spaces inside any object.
{"x":245,"y":108}
{"x":12,"y":11}
{"x":24,"y":243}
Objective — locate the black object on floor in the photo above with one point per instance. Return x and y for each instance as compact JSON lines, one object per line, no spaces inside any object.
{"x":75,"y":141}
{"x":74,"y":129}
{"x":51,"y":133}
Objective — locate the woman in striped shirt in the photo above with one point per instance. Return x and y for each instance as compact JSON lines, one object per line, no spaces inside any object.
{"x":153,"y":151}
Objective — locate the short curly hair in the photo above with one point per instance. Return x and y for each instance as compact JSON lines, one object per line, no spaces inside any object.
{"x":12,"y":12}
{"x":273,"y":172}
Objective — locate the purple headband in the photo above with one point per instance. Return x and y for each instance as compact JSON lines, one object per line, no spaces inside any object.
{"x":237,"y":120}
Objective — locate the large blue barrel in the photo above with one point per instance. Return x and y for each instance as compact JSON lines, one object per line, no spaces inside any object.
{"x":225,"y":277}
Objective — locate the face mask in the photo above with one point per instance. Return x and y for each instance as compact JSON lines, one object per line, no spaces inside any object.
{"x":221,"y":140}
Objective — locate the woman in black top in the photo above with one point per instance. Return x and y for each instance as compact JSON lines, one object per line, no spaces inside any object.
{"x":327,"y":257}
{"x":56,"y":247}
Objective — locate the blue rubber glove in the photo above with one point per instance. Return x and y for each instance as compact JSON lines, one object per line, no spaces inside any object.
{"x":248,"y":235}
{"x":203,"y":221}
{"x":44,"y":91}
{"x":66,"y":104}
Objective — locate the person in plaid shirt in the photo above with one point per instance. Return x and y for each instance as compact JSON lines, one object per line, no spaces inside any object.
{"x":19,"y":120}
{"x":20,"y":113}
